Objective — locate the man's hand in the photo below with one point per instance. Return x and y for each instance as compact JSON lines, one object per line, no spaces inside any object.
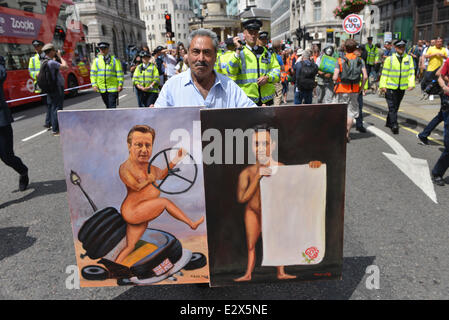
{"x":95,"y":89}
{"x":383,"y":90}
{"x":410,"y":88}
{"x":180,"y":155}
{"x":446,"y":89}
{"x":262,"y":81}
{"x":151,"y":178}
{"x":314,"y":164}
{"x":120,"y":88}
{"x":237,"y":43}
{"x":265,"y":171}
{"x":151,"y":105}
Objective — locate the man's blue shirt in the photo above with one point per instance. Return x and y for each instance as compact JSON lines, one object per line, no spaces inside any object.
{"x":180,"y":91}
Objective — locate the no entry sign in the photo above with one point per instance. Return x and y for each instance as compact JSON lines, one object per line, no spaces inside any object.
{"x":352,"y":24}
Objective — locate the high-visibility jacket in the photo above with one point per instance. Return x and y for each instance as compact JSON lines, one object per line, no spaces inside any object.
{"x":372,"y":53}
{"x":397,"y":75}
{"x":223,"y":61}
{"x":145,"y":77}
{"x":247,"y":69}
{"x":106,"y":77}
{"x":285,"y":75}
{"x":217,"y":66}
{"x":34,"y":66}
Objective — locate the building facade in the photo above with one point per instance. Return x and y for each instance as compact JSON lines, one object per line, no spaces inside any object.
{"x":431,"y":19}
{"x":114,"y":21}
{"x":396,"y":17}
{"x":153,"y":14}
{"x":213,"y":15}
{"x":280,"y":20}
{"x":316,"y":18}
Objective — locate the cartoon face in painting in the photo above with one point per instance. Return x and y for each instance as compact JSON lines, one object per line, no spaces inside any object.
{"x":140,"y":144}
{"x":262,"y":146}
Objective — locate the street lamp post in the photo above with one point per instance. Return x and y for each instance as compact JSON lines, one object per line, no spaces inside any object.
{"x":199,"y":15}
{"x":76,"y":180}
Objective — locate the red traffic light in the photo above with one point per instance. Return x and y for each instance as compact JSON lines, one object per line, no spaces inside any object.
{"x":167,"y":17}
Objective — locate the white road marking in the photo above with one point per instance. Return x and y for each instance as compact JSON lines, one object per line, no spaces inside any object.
{"x":18,"y":118}
{"x":122,"y":96}
{"x":35,"y":135}
{"x":415,"y":169}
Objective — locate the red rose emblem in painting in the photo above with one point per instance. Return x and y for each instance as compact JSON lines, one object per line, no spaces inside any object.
{"x":310,"y":254}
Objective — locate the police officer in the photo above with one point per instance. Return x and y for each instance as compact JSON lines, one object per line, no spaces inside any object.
{"x":223,"y":59}
{"x":6,"y":135}
{"x":398,"y":75}
{"x":263,"y":39}
{"x":371,"y":56}
{"x":34,"y":66}
{"x":106,"y":76}
{"x":255,"y":68}
{"x":146,"y":80}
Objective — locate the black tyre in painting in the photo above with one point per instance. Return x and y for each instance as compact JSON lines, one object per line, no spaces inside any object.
{"x":198,"y":261}
{"x":94,"y":273}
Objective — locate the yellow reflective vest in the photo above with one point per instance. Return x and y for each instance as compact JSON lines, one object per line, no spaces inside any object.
{"x":146,"y":76}
{"x":371,"y":54}
{"x":223,"y":61}
{"x":34,"y":66}
{"x":247,"y":69}
{"x":107,"y":77}
{"x":397,"y":75}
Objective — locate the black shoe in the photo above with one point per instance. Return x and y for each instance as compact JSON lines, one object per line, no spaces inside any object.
{"x":438,"y":180}
{"x":423,"y":139}
{"x":23,"y":182}
{"x":361,"y":129}
{"x":395,"y":129}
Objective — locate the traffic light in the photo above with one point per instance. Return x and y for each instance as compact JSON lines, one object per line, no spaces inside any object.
{"x":168,"y":23}
{"x":299,"y":33}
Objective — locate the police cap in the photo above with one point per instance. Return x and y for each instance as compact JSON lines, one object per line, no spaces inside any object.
{"x":103,"y":45}
{"x":37,"y":43}
{"x":400,"y":43}
{"x":252,"y":24}
{"x":263,"y":35}
{"x":144,"y":53}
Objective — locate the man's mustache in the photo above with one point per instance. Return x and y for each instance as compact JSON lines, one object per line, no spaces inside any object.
{"x":201,"y":64}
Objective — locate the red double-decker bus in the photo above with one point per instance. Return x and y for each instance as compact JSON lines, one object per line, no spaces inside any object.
{"x":55,"y":21}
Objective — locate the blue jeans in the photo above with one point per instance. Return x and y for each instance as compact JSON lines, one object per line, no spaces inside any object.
{"x":55,"y":100}
{"x":443,"y":162}
{"x":433,"y":123}
{"x":305,"y":96}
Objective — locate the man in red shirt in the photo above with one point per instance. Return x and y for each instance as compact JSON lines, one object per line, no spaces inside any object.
{"x":443,"y":162}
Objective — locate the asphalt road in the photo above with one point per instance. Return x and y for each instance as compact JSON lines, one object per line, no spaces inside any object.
{"x":389,"y":223}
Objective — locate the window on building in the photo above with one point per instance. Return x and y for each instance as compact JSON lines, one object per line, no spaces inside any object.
{"x":317,"y":11}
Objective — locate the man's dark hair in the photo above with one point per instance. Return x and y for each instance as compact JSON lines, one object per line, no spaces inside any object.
{"x":140,"y":128}
{"x":350,"y":45}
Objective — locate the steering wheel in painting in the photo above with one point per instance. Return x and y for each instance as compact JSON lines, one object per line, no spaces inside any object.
{"x":175,"y":172}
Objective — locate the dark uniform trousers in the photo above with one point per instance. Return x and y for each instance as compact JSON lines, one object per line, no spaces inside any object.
{"x":394,"y":98}
{"x":7,"y":153}
{"x":110,"y":99}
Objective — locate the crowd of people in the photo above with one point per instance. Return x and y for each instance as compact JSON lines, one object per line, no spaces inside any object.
{"x":248,"y":71}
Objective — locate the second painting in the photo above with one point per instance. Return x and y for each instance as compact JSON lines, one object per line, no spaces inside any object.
{"x":274,"y":187}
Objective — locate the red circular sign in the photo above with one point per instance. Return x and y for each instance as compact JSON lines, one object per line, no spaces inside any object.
{"x":352,"y":24}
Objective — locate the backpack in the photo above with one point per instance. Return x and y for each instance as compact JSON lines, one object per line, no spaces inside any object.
{"x":306,"y":77}
{"x":351,"y":71}
{"x":45,"y":80}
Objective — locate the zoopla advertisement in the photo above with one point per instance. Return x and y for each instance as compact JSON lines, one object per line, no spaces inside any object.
{"x":13,"y":26}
